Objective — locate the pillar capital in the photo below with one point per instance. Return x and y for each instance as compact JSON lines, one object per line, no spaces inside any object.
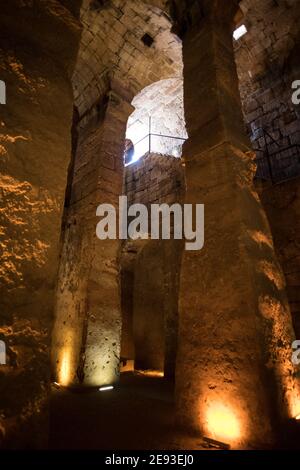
{"x":223,"y":11}
{"x":190,"y":15}
{"x":211,"y":93}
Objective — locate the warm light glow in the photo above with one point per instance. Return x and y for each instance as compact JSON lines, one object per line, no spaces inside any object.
{"x":151,"y":373}
{"x":105,"y":389}
{"x":128,"y":366}
{"x":65,"y":369}
{"x":222,"y":423}
{"x":239,"y":32}
{"x":270,"y":270}
{"x":294,"y":405}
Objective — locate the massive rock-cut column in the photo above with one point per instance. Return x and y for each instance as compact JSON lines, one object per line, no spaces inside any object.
{"x":235,"y":381}
{"x":39,"y":42}
{"x":86,"y":338}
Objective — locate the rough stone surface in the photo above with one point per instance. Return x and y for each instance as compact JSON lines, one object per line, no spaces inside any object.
{"x":112,"y":46}
{"x":158,"y":110}
{"x":34,"y":156}
{"x":235,"y":329}
{"x":267,"y":64}
{"x":155,"y":179}
{"x":282,"y":206}
{"x":86,"y":345}
{"x":150,"y":298}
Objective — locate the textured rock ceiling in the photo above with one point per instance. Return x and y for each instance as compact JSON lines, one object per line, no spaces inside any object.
{"x":112,"y":46}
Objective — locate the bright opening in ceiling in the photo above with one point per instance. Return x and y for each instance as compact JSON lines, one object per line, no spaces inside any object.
{"x":239,"y":32}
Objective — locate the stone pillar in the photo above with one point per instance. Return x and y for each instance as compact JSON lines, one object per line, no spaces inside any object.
{"x":39,"y":43}
{"x":128,"y":257}
{"x":86,"y":339}
{"x":235,"y":381}
{"x":148,"y":310}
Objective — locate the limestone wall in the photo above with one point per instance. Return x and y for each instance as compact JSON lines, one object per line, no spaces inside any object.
{"x":86,"y":338}
{"x":159,"y":110}
{"x":35,"y":149}
{"x":112,"y":43}
{"x":155,"y":179}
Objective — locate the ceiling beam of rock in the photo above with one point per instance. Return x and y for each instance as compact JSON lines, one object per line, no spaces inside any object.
{"x":188,"y":15}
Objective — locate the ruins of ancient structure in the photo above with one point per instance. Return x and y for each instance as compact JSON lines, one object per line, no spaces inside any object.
{"x":155,"y":100}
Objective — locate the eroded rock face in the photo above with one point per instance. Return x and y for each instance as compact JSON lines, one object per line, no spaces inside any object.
{"x":282,"y":205}
{"x":35,"y":149}
{"x":87,"y":333}
{"x":235,"y":328}
{"x":150,"y":270}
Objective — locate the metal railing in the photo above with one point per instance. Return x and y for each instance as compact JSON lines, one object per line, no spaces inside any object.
{"x":277,"y":166}
{"x":158,"y":143}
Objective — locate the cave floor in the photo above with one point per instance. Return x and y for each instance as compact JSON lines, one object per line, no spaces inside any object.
{"x":137,"y":415}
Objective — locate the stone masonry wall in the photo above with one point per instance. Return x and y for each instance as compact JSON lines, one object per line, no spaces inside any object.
{"x":112,"y":44}
{"x":267,"y":63}
{"x":86,"y":338}
{"x":155,"y":179}
{"x":267,"y":59}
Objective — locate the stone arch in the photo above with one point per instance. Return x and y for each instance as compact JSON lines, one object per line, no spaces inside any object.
{"x":111,"y":48}
{"x":159,"y":110}
{"x":113,"y":64}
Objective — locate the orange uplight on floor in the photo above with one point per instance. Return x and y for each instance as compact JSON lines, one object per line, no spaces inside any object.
{"x":64,"y":373}
{"x":294,"y":405}
{"x":222,"y":423}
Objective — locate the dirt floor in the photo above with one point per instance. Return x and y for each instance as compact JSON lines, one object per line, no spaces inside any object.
{"x":137,"y":414}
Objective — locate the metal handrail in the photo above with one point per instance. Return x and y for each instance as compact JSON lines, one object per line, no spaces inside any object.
{"x":273,"y":165}
{"x":169,"y":136}
{"x":159,"y":135}
{"x":269,"y":135}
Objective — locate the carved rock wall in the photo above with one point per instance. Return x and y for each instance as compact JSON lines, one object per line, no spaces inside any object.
{"x":35,"y":150}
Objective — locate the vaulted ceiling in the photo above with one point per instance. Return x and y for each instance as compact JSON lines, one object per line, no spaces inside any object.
{"x":125,"y":39}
